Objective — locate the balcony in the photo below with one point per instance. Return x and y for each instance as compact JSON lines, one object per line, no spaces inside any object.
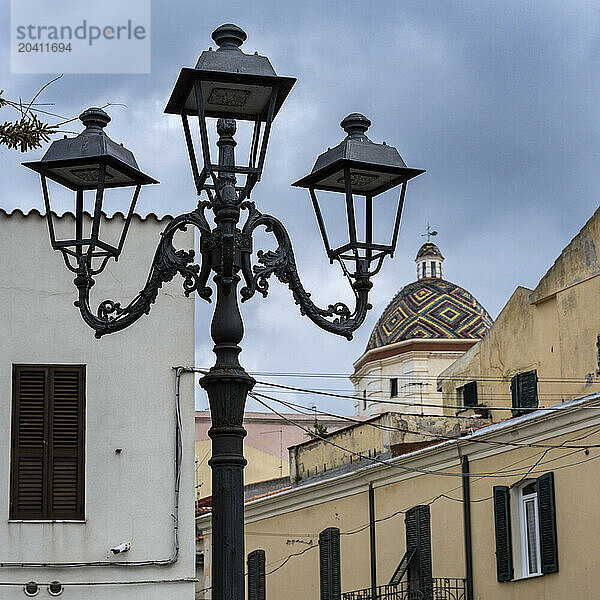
{"x":442,"y":588}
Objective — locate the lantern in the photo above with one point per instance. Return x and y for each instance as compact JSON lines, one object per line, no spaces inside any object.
{"x":359,"y":167}
{"x":229,"y":84}
{"x":90,"y":162}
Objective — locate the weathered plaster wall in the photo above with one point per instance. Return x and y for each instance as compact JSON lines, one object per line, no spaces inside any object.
{"x":553,"y":329}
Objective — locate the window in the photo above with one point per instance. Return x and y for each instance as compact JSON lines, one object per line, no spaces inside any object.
{"x":468,"y":394}
{"x":47,"y":456}
{"x":535,"y":544}
{"x":394,"y":387}
{"x":364,"y":399}
{"x":530,"y":533}
{"x":523,"y":389}
{"x":433,"y":269}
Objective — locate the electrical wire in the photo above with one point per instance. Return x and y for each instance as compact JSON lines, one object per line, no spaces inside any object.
{"x":382,"y":427}
{"x":325,"y":375}
{"x":406,"y":403}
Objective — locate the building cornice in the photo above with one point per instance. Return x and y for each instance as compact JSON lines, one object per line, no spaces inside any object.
{"x":417,"y":344}
{"x":559,"y":420}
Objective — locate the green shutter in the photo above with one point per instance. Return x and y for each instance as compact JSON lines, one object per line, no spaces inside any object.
{"x":329,"y":564}
{"x":528,"y":393}
{"x":470,"y":394}
{"x":547,"y":522}
{"x":504,"y":561}
{"x":524,"y":392}
{"x":418,"y":538}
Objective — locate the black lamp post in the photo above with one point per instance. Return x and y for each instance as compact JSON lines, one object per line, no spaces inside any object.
{"x":226,"y":84}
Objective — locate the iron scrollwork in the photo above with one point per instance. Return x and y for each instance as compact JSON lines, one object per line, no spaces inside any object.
{"x":111,"y":316}
{"x":167,"y":263}
{"x":336,"y":318}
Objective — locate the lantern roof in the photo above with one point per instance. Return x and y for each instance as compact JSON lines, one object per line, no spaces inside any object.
{"x":375,"y":168}
{"x":68,"y":161}
{"x":231,"y":80}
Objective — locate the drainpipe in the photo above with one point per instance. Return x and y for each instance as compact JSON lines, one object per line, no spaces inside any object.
{"x":466,"y":485}
{"x":372,"y":539}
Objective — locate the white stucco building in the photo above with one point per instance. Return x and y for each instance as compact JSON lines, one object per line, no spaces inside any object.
{"x":427,"y":325}
{"x":77,"y":484}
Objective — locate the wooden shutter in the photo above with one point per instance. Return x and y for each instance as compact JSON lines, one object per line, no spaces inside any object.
{"x":47,"y":465}
{"x":66,"y":443}
{"x":469,"y":393}
{"x":28,"y":458}
{"x":329,"y":564}
{"x":547,"y":523}
{"x":528,"y":393}
{"x":418,"y":537}
{"x":256,"y":575}
{"x":524,"y":392}
{"x":504,"y":562}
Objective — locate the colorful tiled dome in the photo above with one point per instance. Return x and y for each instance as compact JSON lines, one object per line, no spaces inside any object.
{"x":430,"y":308}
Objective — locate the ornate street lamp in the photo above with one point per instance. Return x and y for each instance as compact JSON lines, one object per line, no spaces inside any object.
{"x":229,"y":84}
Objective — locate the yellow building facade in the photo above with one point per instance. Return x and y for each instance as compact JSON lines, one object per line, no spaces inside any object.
{"x":552,"y":330}
{"x":511,"y":454}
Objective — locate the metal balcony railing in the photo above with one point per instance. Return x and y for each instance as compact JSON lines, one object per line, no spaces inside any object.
{"x":441,"y":588}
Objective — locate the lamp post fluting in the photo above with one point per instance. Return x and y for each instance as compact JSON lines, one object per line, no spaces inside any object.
{"x":231,"y":87}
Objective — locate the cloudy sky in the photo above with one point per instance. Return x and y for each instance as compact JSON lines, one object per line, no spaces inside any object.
{"x":499,"y":101}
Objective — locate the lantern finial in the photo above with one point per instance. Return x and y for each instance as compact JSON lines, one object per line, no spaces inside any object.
{"x":355,"y":125}
{"x":229,"y":37}
{"x":94,"y":118}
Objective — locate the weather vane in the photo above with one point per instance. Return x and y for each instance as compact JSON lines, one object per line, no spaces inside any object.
{"x":429,"y":232}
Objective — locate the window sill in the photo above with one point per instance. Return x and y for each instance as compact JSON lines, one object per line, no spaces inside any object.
{"x":47,"y":520}
{"x":525,"y":577}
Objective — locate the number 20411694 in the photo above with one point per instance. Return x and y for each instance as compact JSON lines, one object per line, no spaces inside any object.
{"x":44,"y":47}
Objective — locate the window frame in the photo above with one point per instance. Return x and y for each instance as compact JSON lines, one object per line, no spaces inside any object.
{"x":524,"y":530}
{"x":47,"y":512}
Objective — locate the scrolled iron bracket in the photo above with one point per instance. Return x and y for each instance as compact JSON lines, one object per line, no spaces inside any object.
{"x":111,"y":316}
{"x":336,"y":318}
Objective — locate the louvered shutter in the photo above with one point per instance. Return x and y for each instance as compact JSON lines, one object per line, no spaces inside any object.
{"x":28,"y":448}
{"x":47,"y":443}
{"x":528,"y":393}
{"x":329,"y":564}
{"x":470,"y":394}
{"x":418,"y":537}
{"x":256,"y":575}
{"x":66,"y":443}
{"x":504,"y":562}
{"x":524,"y":391}
{"x":547,"y":523}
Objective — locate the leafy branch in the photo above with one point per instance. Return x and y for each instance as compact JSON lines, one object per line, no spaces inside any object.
{"x":31,"y":130}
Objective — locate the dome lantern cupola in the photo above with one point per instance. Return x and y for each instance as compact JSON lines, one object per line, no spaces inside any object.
{"x":429,"y":262}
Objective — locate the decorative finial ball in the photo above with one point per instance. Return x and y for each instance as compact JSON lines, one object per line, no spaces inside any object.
{"x":229,"y":36}
{"x":94,"y":117}
{"x":355,"y":124}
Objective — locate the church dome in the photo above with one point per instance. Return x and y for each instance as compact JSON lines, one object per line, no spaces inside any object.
{"x":430,"y":308}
